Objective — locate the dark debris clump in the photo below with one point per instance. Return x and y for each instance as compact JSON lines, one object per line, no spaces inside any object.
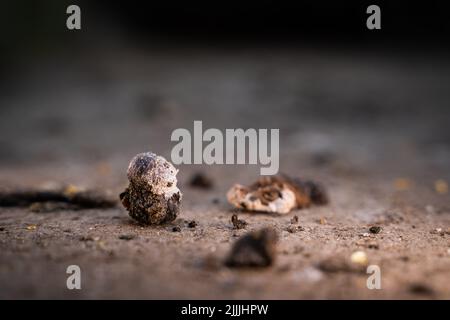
{"x":254,"y":249}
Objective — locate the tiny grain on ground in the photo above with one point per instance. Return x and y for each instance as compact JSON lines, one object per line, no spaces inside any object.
{"x":372,"y":129}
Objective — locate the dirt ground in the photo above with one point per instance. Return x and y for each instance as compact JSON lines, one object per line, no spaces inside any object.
{"x":372,"y":128}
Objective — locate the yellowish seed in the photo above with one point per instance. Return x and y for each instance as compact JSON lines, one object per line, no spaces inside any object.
{"x":31,"y":227}
{"x":441,"y":186}
{"x":360,"y":258}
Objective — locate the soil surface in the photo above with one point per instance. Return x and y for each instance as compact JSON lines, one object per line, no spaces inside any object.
{"x":372,"y":128}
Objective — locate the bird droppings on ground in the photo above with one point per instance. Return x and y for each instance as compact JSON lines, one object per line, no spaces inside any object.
{"x":201,"y":180}
{"x":152,"y":196}
{"x":254,"y":249}
{"x":277,"y":194}
{"x":238,"y":223}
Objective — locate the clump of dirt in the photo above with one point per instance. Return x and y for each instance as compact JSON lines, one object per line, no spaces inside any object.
{"x":127,"y":237}
{"x":192,"y":224}
{"x":67,"y":197}
{"x":237,"y":223}
{"x":292,"y":228}
{"x":152,"y":196}
{"x":201,"y":181}
{"x":277,"y":194}
{"x":254,"y":249}
{"x":421,"y":289}
{"x":375,"y":229}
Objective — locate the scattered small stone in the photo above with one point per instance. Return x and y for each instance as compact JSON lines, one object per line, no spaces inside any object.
{"x":294,"y":220}
{"x":237,"y":223}
{"x":201,"y":181}
{"x":375,"y":229}
{"x":192,"y":224}
{"x":438,"y":231}
{"x":293,"y":228}
{"x":359,"y":258}
{"x":127,"y":237}
{"x":254,"y":249}
{"x":371,"y":244}
{"x":152,"y":196}
{"x":323,"y":221}
{"x":176,"y":229}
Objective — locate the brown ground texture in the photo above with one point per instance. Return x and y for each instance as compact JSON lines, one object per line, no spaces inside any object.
{"x":372,"y":130}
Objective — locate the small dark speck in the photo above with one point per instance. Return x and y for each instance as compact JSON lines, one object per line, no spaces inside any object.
{"x":176,"y":229}
{"x":127,"y":237}
{"x":2,"y":229}
{"x":375,"y":229}
{"x":419,"y":288}
{"x":192,"y":224}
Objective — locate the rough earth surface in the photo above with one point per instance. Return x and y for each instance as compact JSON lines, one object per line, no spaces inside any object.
{"x":373,"y":129}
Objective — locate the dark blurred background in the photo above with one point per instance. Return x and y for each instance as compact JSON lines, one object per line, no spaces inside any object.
{"x":139,"y":69}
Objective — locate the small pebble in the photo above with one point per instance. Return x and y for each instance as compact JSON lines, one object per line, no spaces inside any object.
{"x":375,"y":229}
{"x":192,"y":224}
{"x":360,"y":258}
{"x":237,"y":223}
{"x":176,"y":229}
